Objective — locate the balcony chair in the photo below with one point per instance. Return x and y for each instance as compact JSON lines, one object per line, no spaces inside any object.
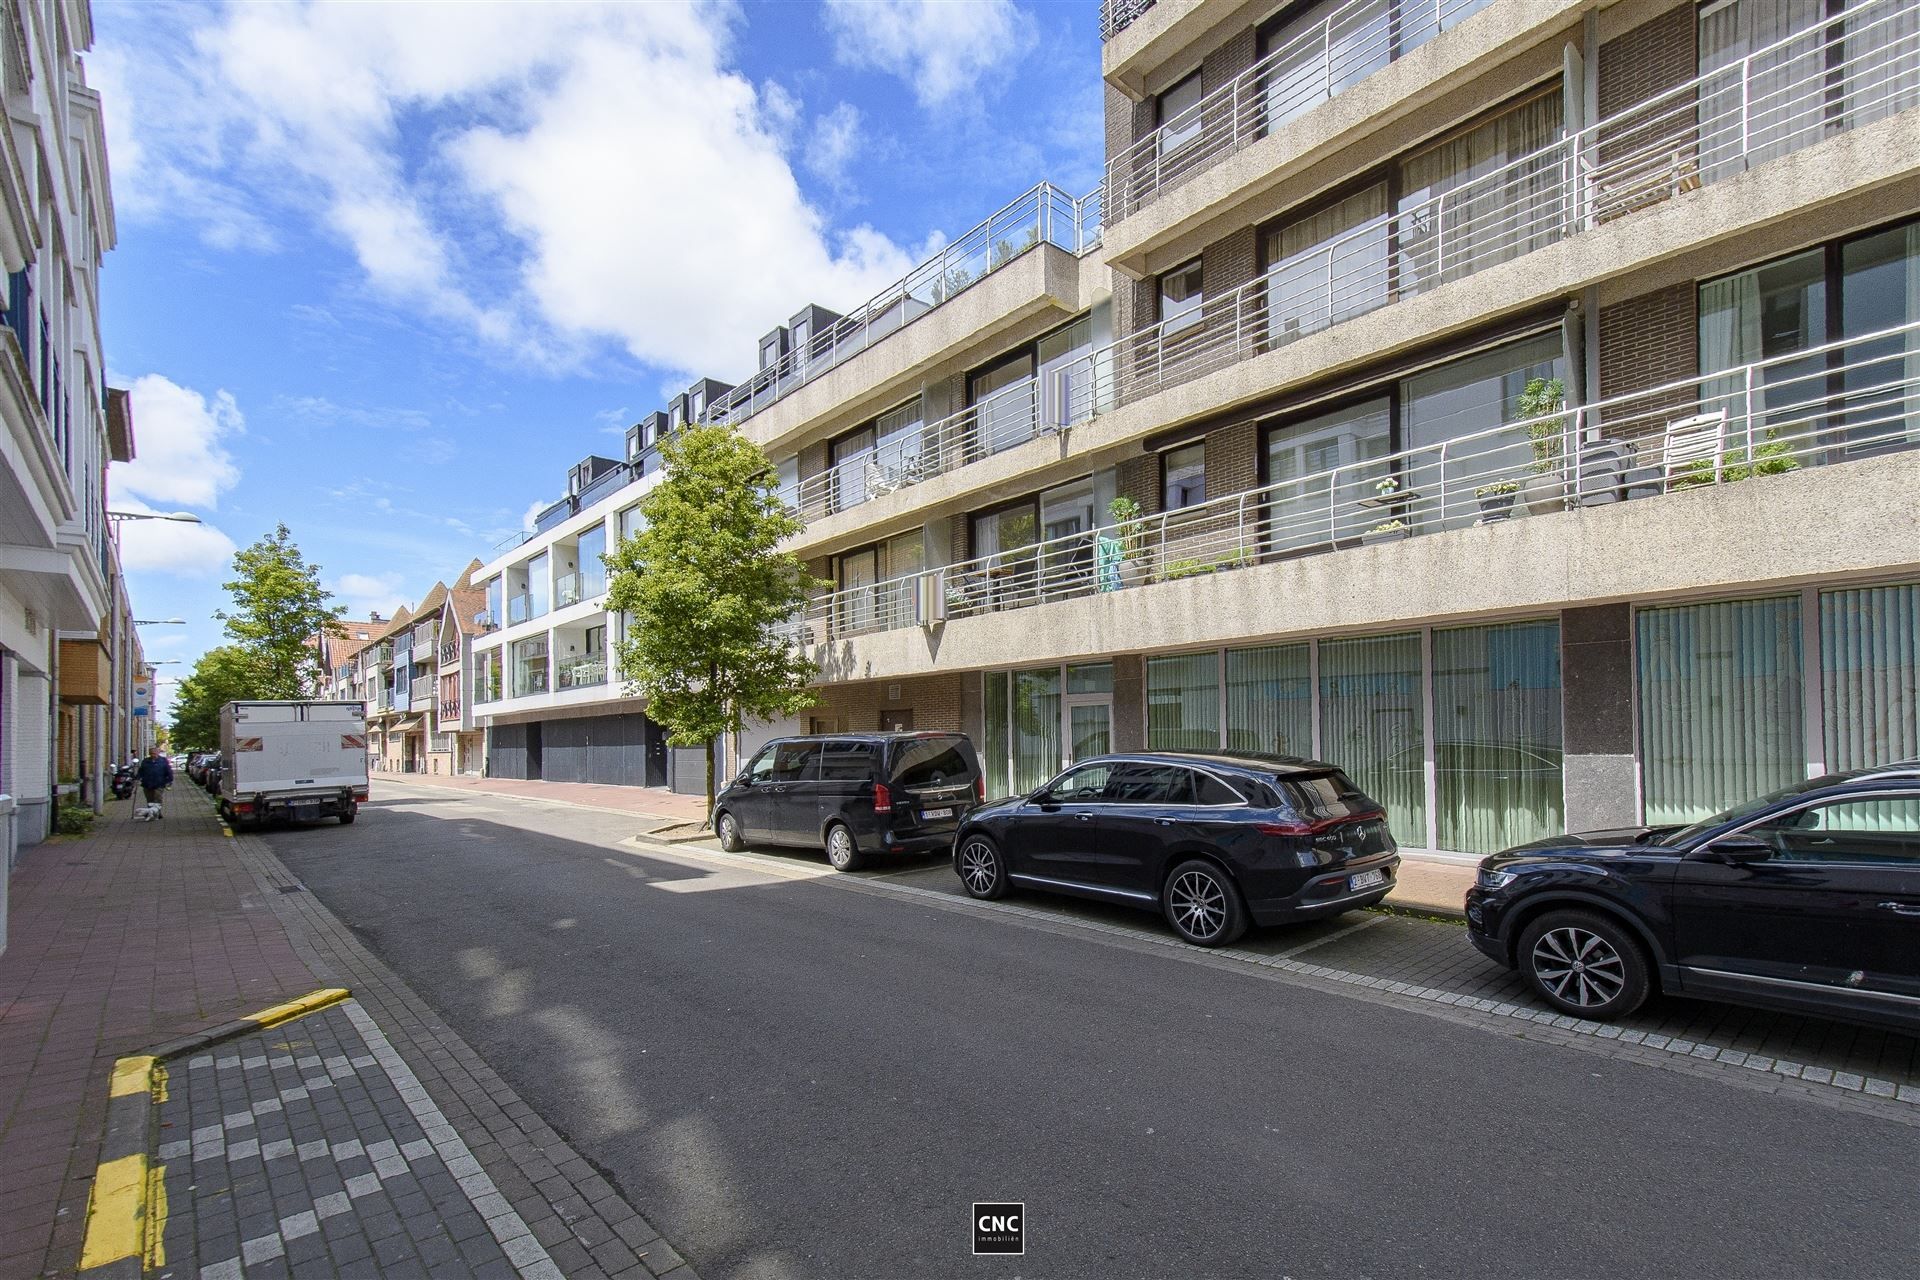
{"x":1691,"y":442}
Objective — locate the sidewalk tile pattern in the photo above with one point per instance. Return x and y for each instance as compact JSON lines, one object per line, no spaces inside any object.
{"x":310,"y":1149}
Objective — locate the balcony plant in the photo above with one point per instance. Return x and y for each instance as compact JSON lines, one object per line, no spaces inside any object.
{"x":1496,"y":500}
{"x":1386,"y":531}
{"x":1130,"y":527}
{"x":1539,"y":403}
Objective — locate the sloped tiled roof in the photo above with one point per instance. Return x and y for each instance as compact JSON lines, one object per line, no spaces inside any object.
{"x":468,"y":601}
{"x":465,"y":580}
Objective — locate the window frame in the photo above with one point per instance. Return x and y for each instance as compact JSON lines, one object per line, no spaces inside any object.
{"x":1186,"y":318}
{"x":1166,"y":457}
{"x":1168,"y":143}
{"x":1703,"y":850}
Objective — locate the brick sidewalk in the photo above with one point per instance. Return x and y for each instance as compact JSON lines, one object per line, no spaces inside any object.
{"x":143,"y":932}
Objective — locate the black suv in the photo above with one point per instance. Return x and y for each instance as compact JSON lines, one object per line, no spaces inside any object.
{"x":1213,"y":841}
{"x":1806,"y":899}
{"x":853,"y":794}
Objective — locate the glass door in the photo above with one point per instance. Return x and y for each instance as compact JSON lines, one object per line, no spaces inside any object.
{"x":1089,"y":726}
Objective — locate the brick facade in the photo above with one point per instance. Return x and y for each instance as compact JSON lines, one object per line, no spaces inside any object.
{"x":1233,"y":460}
{"x":1656,"y":55}
{"x":1649,"y":341}
{"x":937,"y":702}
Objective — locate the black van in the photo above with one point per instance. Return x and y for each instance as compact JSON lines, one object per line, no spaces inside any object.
{"x":853,"y":794}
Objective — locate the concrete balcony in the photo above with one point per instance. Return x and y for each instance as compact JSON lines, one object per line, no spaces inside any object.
{"x":1818,"y":524}
{"x":1289,"y":126}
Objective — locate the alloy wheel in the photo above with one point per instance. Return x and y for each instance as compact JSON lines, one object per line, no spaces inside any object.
{"x":1579,"y":966}
{"x":1199,"y":904}
{"x":840,"y":850}
{"x":979,"y":866}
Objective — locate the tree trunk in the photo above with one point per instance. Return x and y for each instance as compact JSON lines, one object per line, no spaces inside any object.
{"x":709,"y":817}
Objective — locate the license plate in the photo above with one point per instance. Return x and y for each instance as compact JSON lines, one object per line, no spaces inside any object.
{"x":1366,"y":880}
{"x":928,"y":815}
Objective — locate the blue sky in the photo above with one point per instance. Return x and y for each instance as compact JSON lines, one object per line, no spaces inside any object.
{"x":385,"y":272}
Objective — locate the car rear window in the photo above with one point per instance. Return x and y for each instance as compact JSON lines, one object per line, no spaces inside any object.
{"x":927,"y":762}
{"x":1324,"y":795}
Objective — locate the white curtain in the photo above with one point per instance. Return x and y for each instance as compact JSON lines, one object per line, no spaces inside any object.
{"x":1328,"y":267}
{"x":1771,"y":105}
{"x":1882,"y":59}
{"x":1870,"y":675}
{"x":1319,"y":54}
{"x":1911,"y":375}
{"x":1729,"y":338}
{"x":1482,"y":197}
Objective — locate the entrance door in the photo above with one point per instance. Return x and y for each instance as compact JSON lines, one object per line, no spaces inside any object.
{"x":533,"y":751}
{"x":1089,"y":725}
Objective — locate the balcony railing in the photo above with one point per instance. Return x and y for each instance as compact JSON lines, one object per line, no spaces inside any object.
{"x":449,"y":653}
{"x":1117,"y":15}
{"x":519,"y":609}
{"x":1841,"y":73}
{"x":422,"y":696}
{"x":581,"y":673}
{"x":1009,"y":417}
{"x":449,"y":709}
{"x":1044,"y":213}
{"x":572,"y":588}
{"x":485,"y":620}
{"x":1848,"y":400}
{"x":1352,"y":42}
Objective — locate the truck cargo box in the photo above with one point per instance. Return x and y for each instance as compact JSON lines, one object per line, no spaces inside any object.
{"x":293,"y":760}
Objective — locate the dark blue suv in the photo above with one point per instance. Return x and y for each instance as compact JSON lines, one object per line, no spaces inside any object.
{"x":1806,"y":899}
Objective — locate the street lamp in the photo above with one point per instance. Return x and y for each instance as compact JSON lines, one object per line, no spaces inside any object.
{"x":159,"y":622}
{"x":184,"y":517}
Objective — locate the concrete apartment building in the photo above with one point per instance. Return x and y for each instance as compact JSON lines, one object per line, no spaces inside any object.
{"x":1512,"y":401}
{"x":66,"y":650}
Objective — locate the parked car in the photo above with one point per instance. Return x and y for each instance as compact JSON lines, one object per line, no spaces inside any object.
{"x":852,"y":794}
{"x":210,"y":773}
{"x":1805,"y":899}
{"x":197,"y":767}
{"x":1214,"y":842}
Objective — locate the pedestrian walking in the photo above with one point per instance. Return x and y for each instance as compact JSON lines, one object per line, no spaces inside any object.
{"x":156,"y":775}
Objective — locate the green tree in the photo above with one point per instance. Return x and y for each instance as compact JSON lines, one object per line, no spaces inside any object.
{"x":279,"y":609}
{"x":221,"y":675}
{"x":706,"y":589}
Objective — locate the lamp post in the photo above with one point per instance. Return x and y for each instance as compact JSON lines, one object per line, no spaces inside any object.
{"x":160,"y":622}
{"x":183,"y":517}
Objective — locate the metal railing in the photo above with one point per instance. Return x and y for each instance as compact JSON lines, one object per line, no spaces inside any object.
{"x":1352,"y":42}
{"x":520,"y":609}
{"x":517,"y":538}
{"x":1840,"y":73}
{"x":1044,"y":213}
{"x":581,"y":673}
{"x":1009,"y":417}
{"x":1117,"y":15}
{"x":1847,"y":400}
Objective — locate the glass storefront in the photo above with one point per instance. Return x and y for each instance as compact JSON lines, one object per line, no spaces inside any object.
{"x":1870,"y":676}
{"x":1036,"y":727}
{"x":1183,"y":702}
{"x":1721,"y":714}
{"x":1496,"y":731}
{"x":993,"y":760}
{"x":1270,"y":700}
{"x":1371,"y":724}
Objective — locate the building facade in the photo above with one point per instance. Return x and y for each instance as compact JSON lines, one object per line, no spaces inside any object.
{"x":65,"y":634}
{"x":1513,"y":402}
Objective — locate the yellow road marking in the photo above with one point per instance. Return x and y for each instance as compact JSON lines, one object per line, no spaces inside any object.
{"x":115,"y":1212}
{"x":130,"y":1076}
{"x":155,"y":1226}
{"x":295,"y":1008}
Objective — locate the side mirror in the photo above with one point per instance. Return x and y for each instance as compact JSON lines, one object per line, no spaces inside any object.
{"x":1739,"y":850}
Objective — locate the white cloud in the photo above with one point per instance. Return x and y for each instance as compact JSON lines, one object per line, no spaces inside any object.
{"x":365,"y":594}
{"x":833,"y":143}
{"x":941,"y":49}
{"x":534,"y":508}
{"x":544,"y":176}
{"x":170,"y":547}
{"x":179,"y":444}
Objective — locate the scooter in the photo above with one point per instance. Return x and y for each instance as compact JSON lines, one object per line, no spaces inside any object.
{"x":123,"y":780}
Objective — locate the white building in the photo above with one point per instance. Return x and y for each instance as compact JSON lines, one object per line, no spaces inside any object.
{"x":57,"y":563}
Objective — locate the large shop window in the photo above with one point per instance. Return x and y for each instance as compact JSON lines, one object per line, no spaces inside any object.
{"x":1372,"y":725}
{"x":1721,"y":715}
{"x":1496,"y":730}
{"x":1036,"y":727}
{"x":1183,"y":702}
{"x":1270,"y":700}
{"x":1870,"y":676}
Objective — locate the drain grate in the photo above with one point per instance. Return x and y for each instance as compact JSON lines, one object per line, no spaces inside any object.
{"x":290,"y":888}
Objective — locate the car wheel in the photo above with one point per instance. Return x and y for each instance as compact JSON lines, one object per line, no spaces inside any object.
{"x":728,"y":829}
{"x":1585,"y":964}
{"x":842,"y":852}
{"x":1203,"y":906}
{"x":347,"y":817}
{"x":983,"y":872}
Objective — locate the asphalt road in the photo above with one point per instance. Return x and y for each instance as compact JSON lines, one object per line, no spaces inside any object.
{"x":792,"y":1077}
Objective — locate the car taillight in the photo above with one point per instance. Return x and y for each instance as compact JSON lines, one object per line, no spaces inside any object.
{"x":1299,"y":828}
{"x":882,"y":798}
{"x":980,"y":789}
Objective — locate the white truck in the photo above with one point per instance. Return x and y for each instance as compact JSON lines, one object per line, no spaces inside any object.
{"x":296,"y":760}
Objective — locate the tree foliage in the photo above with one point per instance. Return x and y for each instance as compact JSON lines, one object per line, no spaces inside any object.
{"x":279,"y":609}
{"x":707,"y":589}
{"x":221,"y":675}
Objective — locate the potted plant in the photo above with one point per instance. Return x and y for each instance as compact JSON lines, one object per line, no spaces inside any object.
{"x":1130,"y":528}
{"x":1545,"y":488}
{"x":1496,"y":500}
{"x":1386,"y":531}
